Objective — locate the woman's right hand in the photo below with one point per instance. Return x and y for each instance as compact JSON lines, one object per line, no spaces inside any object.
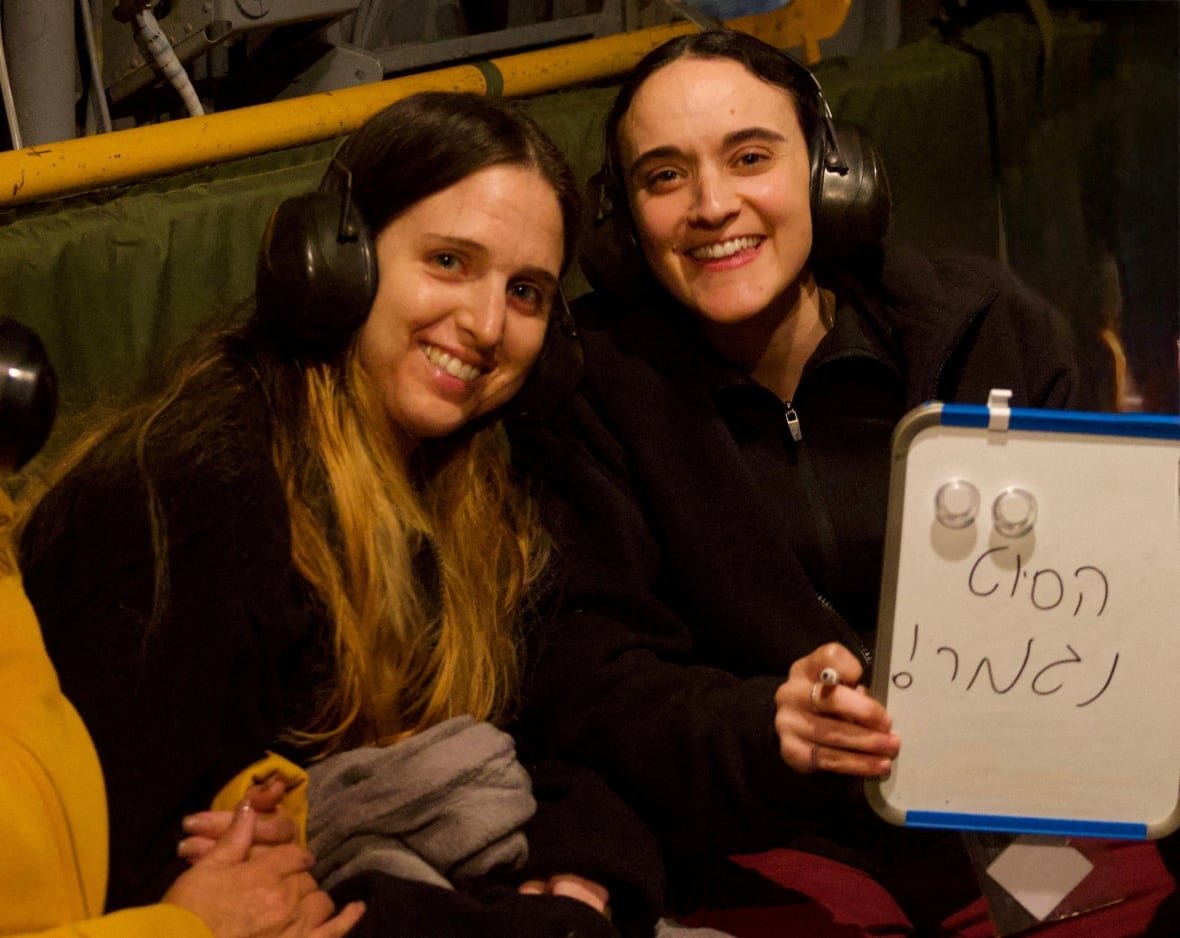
{"x":272,"y":895}
{"x":833,"y":728}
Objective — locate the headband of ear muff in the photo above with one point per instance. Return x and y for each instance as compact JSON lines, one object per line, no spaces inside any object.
{"x":317,"y":269}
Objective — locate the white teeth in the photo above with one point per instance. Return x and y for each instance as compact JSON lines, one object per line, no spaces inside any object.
{"x":714,"y":252}
{"x":450,"y":364}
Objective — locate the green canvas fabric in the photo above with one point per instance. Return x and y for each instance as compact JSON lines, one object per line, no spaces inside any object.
{"x":113,"y":280}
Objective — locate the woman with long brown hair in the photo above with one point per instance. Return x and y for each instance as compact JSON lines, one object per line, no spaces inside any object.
{"x":309,"y":542}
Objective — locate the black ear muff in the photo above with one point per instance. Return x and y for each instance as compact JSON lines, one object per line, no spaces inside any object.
{"x":317,"y":271}
{"x":556,"y":372}
{"x":850,"y":201}
{"x":609,"y":254}
{"x":28,"y":394}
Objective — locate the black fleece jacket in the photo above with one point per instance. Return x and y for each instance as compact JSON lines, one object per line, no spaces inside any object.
{"x":704,"y":550}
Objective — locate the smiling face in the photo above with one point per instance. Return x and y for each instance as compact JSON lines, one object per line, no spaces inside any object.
{"x":466,"y":280}
{"x":717,"y":171}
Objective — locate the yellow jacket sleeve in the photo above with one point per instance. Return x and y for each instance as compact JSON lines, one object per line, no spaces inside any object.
{"x":148,"y":922}
{"x":294,"y":803}
{"x":53,"y":852}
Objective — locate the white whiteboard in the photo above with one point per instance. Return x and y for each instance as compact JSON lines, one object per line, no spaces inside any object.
{"x":1034,"y":679}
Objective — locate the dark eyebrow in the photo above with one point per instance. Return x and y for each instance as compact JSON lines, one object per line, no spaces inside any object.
{"x":764,"y":134}
{"x":655,"y":153}
{"x":546,"y":277}
{"x":732,"y":139}
{"x":465,"y":243}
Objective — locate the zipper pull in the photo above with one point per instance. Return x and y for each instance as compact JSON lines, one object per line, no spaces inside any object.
{"x":792,"y":421}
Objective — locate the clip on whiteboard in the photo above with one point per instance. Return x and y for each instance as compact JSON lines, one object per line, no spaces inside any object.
{"x":999,"y":414}
{"x":1026,"y":644}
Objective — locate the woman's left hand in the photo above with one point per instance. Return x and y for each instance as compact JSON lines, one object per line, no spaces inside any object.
{"x":832,"y":727}
{"x":572,"y":887}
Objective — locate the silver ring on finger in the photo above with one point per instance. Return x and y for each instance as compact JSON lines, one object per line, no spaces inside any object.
{"x":816,"y":689}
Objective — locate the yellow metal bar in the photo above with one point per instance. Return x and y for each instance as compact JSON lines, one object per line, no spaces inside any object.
{"x":800,"y":23}
{"x":56,"y":169}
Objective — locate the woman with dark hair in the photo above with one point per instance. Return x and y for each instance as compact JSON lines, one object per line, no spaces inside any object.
{"x":307,"y":551}
{"x":717,"y":488}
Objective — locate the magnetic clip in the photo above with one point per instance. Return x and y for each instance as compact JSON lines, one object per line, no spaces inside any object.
{"x":998,"y":411}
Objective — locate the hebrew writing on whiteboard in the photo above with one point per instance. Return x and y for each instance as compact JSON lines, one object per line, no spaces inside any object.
{"x":1047,"y":671}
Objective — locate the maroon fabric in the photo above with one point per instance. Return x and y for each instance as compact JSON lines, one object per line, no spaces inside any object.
{"x":843,"y":901}
{"x":1136,"y":873}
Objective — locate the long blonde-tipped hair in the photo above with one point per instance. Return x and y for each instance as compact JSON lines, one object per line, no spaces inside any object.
{"x":423,"y":559}
{"x":410,"y":650}
{"x":423,"y":556}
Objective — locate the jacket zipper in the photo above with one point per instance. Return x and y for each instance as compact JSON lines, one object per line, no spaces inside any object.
{"x":792,"y":418}
{"x":824,"y":528}
{"x":829,"y":549}
{"x":856,"y":643}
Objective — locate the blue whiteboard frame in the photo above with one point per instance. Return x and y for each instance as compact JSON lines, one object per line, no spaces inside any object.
{"x":980,"y":417}
{"x":1151,"y":426}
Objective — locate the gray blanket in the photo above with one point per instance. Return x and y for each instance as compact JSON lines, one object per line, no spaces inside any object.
{"x":442,"y":807}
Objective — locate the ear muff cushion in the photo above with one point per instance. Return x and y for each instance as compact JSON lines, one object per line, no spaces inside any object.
{"x":313,"y":286}
{"x":850,"y":210}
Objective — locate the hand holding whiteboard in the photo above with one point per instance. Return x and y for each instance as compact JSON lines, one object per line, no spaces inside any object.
{"x":1029,"y":634}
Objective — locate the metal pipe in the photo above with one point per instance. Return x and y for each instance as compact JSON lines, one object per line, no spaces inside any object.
{"x":165,"y":58}
{"x":98,"y":91}
{"x":126,"y":155}
{"x":39,"y":37}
